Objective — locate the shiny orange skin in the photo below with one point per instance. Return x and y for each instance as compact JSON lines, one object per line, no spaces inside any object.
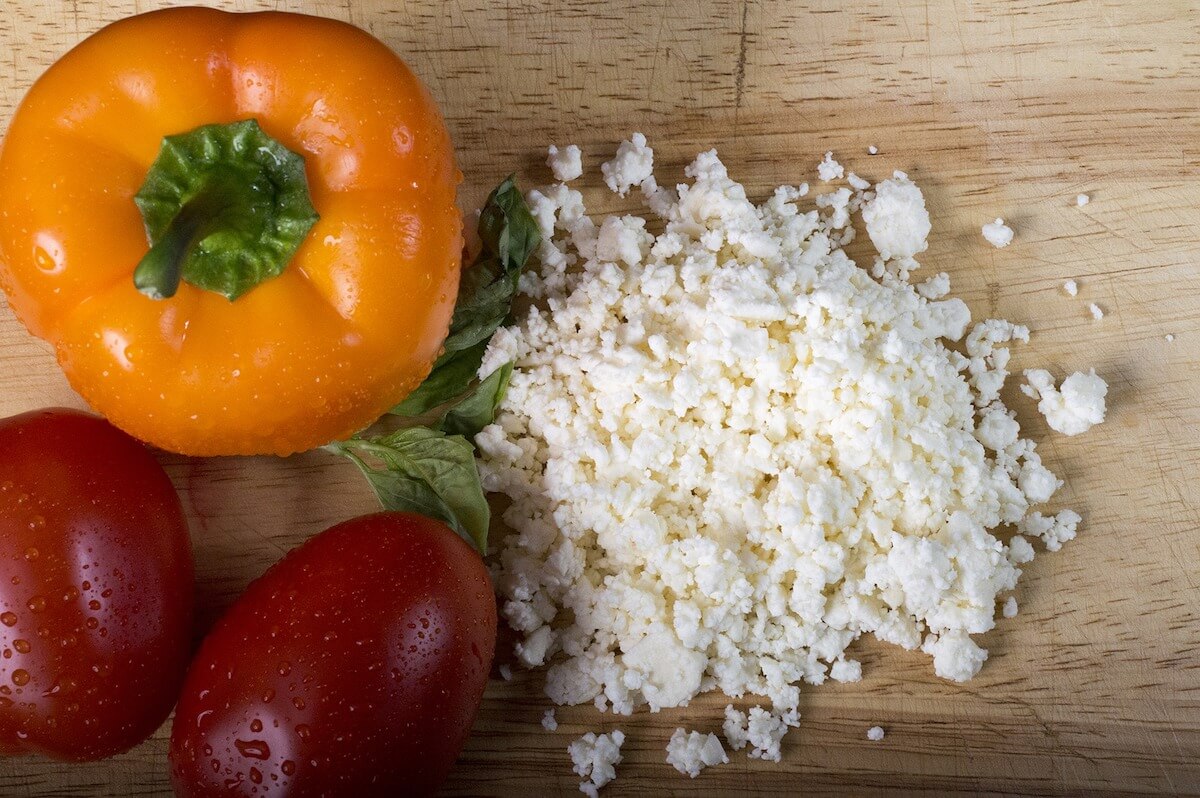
{"x":316,"y":354}
{"x":353,"y":667}
{"x":96,"y":588}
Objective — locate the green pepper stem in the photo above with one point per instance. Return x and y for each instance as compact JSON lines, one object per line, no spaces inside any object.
{"x":158,"y":273}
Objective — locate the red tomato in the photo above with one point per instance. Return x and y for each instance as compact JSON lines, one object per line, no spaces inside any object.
{"x":95,"y":588}
{"x":353,"y":667}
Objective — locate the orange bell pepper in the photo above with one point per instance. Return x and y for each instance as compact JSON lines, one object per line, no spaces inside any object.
{"x":278,"y":273}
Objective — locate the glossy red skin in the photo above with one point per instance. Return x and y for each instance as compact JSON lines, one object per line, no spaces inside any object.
{"x":96,"y":588}
{"x":353,"y":667}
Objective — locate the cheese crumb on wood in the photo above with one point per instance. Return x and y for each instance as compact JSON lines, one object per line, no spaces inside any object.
{"x":761,"y":729}
{"x":633,"y":164}
{"x":1010,"y":607}
{"x":549,"y":722}
{"x":875,"y":734}
{"x":566,"y":164}
{"x":998,"y":234}
{"x":1082,"y":199}
{"x":1096,"y":311}
{"x":691,"y":753}
{"x":829,"y":169}
{"x":595,"y":758}
{"x":1075,"y":407}
{"x":846,"y":670}
{"x":1071,"y":287}
{"x":896,"y":219}
{"x":872,"y":150}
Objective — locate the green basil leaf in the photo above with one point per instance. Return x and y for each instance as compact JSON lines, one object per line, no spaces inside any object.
{"x":425,"y":471}
{"x":478,"y":410}
{"x":485,"y":294}
{"x":448,"y":380}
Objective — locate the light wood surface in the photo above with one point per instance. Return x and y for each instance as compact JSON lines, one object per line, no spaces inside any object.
{"x":1005,"y":108}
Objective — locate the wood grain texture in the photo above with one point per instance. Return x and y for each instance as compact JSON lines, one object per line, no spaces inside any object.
{"x":996,"y":109}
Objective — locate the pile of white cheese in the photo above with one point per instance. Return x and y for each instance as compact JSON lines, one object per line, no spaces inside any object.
{"x":731,"y":451}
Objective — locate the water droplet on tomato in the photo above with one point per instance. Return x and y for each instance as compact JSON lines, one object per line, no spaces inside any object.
{"x":22,"y":646}
{"x":36,"y":523}
{"x":298,"y":702}
{"x":254,"y":749}
{"x":303,"y":731}
{"x":255,"y":776}
{"x":288,"y":767}
{"x":37,"y":604}
{"x":268,"y":696}
{"x":8,"y":618}
{"x":31,"y":554}
{"x":285,"y":668}
{"x":94,"y":605}
{"x":256,"y":725}
{"x":20,"y":677}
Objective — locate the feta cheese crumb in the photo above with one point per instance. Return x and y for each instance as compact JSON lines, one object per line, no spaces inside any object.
{"x":896,"y":219}
{"x":872,"y":150}
{"x":1010,"y":607}
{"x":857,"y":183}
{"x":998,"y":234}
{"x":1054,"y":530}
{"x":1096,"y":311}
{"x":1169,"y":337}
{"x":935,"y":287}
{"x":829,"y":169}
{"x":506,"y":673}
{"x":633,"y":164}
{"x":955,"y":655}
{"x":595,"y":757}
{"x":691,"y":753}
{"x":566,"y":164}
{"x":1082,"y":199}
{"x":875,"y":734}
{"x":549,"y":722}
{"x":846,"y":670}
{"x":1075,"y":407}
{"x":1071,"y":287}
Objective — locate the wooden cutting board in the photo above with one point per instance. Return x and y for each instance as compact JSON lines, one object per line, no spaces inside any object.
{"x":996,"y":109}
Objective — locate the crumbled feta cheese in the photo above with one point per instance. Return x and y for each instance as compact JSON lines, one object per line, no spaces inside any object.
{"x":1010,"y":608}
{"x":1054,"y":530}
{"x":896,"y":219}
{"x":1096,"y":311}
{"x":1075,"y":407}
{"x":633,"y":164}
{"x":829,"y":169}
{"x":955,"y":655}
{"x":763,"y":731}
{"x":998,"y":234}
{"x":549,"y":722}
{"x":730,"y":451}
{"x":1071,"y":287}
{"x":1169,"y":337}
{"x":846,"y":670}
{"x":1082,"y":199}
{"x":595,"y":758}
{"x":935,"y":287}
{"x":566,"y":164}
{"x":872,"y":150}
{"x":506,"y":673}
{"x":857,"y":183}
{"x":691,"y":753}
{"x":875,"y":734}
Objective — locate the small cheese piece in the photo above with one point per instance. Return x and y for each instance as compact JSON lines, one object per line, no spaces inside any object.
{"x":506,"y":673}
{"x":872,"y":150}
{"x":566,"y":164}
{"x":1169,"y":337}
{"x":1075,"y":407}
{"x":1071,"y":287}
{"x":998,"y":234}
{"x":633,"y":164}
{"x":1054,"y":530}
{"x":1096,"y":311}
{"x":549,"y":722}
{"x":1010,"y":608}
{"x":896,"y":219}
{"x":691,"y":753}
{"x":1082,"y":199}
{"x":829,"y":169}
{"x":595,"y":758}
{"x":857,"y":183}
{"x":875,"y":734}
{"x":955,"y":655}
{"x":846,"y":670}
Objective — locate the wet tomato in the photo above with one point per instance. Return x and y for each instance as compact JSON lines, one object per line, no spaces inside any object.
{"x":95,"y":588}
{"x":353,"y":667}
